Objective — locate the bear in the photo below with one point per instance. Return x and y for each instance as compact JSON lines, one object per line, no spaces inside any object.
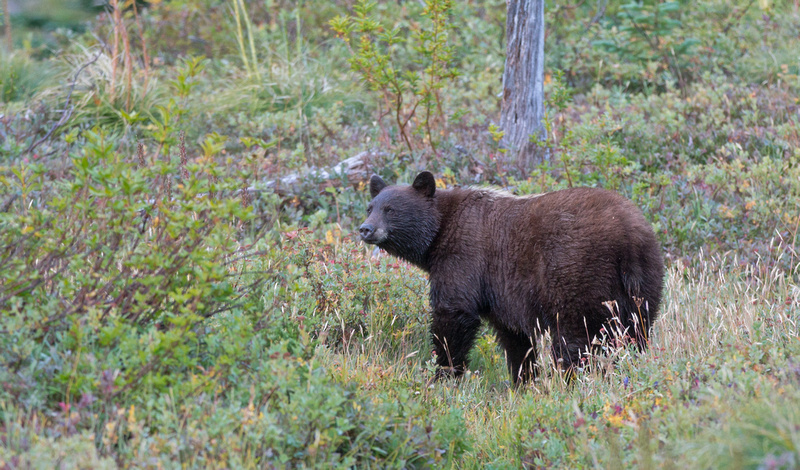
{"x":580,"y":263}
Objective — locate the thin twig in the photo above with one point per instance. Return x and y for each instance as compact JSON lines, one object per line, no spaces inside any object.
{"x":8,"y":202}
{"x":144,"y":371}
{"x":601,"y":11}
{"x":116,"y":20}
{"x":67,"y":112}
{"x":573,"y":6}
{"x":738,"y":17}
{"x":145,"y":57}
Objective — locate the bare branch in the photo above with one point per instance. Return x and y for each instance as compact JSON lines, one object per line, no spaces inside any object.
{"x":67,"y":111}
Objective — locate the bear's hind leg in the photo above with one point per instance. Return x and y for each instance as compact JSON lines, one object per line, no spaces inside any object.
{"x":568,"y":353}
{"x":520,"y":354}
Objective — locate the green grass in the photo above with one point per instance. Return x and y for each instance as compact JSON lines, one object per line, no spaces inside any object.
{"x":21,"y":76}
{"x":717,"y":389}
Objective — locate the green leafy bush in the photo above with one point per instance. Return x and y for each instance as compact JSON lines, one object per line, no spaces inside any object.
{"x":651,"y":36}
{"x":122,"y":264}
{"x":645,"y":46}
{"x":333,"y":293}
{"x":403,"y":87}
{"x":20,"y":76}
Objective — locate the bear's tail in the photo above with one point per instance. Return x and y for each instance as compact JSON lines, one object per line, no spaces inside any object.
{"x":641,"y":278}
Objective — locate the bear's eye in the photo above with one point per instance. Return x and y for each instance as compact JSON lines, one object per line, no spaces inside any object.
{"x":369,"y":210}
{"x":388,"y":210}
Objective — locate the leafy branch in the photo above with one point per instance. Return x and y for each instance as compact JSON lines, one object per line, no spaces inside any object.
{"x":403,"y":87}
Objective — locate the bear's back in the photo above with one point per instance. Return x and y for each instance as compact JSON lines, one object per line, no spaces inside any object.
{"x":495,"y":218}
{"x":565,"y":251}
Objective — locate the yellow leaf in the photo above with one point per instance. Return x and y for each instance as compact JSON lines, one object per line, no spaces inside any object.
{"x":615,"y":420}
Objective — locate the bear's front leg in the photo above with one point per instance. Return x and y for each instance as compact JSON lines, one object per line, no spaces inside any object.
{"x":453,"y":334}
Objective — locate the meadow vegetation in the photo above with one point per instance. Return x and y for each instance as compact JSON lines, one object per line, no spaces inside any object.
{"x":164,"y":303}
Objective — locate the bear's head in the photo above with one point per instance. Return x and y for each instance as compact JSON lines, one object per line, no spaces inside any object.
{"x":403,"y":220}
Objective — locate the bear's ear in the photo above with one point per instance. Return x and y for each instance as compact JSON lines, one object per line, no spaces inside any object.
{"x":376,"y":184}
{"x":425,"y":183}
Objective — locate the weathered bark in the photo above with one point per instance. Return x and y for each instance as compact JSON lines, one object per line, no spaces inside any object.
{"x":523,"y":81}
{"x":7,"y":26}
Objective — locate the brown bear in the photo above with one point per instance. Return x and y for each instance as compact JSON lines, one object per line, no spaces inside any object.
{"x":574,"y":262}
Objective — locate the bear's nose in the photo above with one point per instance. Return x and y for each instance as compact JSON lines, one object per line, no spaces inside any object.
{"x":366,"y":230}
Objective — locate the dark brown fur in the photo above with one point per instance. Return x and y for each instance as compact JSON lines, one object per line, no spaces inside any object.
{"x":525,"y":264}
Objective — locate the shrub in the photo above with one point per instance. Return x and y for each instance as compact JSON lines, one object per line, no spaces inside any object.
{"x":651,"y":36}
{"x":342,"y":298}
{"x":122,"y":264}
{"x":403,"y":87}
{"x":20,"y":76}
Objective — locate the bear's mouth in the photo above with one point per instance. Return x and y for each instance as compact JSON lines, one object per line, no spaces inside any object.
{"x":376,"y":237}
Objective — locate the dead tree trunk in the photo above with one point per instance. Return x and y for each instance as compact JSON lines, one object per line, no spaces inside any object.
{"x":7,"y":26}
{"x":523,"y":82}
